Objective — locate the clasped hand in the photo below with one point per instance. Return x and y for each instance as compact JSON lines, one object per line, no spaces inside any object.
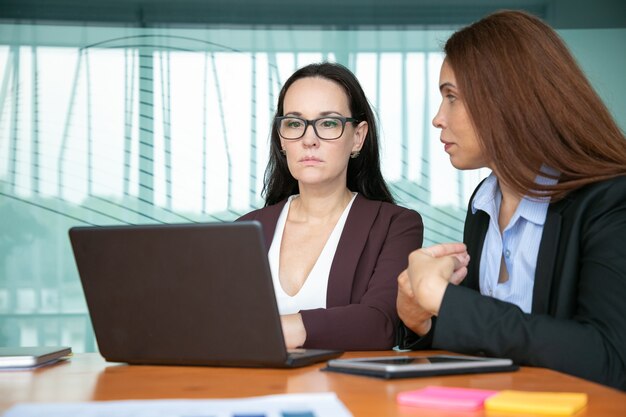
{"x":422,"y":285}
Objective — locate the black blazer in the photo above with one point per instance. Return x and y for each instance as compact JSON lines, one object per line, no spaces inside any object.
{"x":578,"y":319}
{"x":373,"y":249}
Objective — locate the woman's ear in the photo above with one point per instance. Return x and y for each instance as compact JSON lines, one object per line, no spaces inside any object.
{"x":360,"y":133}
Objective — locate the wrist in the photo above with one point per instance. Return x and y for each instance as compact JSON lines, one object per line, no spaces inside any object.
{"x":422,"y":328}
{"x":437,"y":289}
{"x":294,"y":331}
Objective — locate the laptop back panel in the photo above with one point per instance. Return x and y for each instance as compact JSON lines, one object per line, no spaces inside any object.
{"x":196,"y":294}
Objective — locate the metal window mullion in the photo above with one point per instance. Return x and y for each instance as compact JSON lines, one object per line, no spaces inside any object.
{"x":146,"y":125}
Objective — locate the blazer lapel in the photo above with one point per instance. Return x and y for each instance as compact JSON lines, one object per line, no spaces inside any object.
{"x":351,"y":243}
{"x":474,"y":232}
{"x":544,"y":272}
{"x":269,"y":217}
{"x":476,"y":226}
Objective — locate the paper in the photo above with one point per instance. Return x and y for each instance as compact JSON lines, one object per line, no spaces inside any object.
{"x":553,"y":403}
{"x":287,"y":405}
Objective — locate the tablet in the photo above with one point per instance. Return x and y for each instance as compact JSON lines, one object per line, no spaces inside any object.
{"x":31,"y":356}
{"x":414,"y":366}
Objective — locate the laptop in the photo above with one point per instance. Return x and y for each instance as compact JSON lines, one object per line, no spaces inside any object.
{"x":184,"y":294}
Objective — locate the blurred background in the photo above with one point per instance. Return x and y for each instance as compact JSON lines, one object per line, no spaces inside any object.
{"x":155,"y":111}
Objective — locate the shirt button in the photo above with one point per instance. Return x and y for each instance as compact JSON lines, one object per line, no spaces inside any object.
{"x":507,"y":253}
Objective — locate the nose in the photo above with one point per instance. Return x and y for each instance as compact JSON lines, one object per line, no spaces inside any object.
{"x":310,"y":137}
{"x":438,"y":120}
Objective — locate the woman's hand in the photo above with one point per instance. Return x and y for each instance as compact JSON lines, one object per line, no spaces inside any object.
{"x":411,"y":313}
{"x":422,"y":285}
{"x":293,"y":330}
{"x":431,"y":269}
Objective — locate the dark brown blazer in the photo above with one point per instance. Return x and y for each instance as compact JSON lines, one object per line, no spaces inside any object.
{"x":373,"y":249}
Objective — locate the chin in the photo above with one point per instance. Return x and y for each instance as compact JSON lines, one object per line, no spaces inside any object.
{"x":465,"y":165}
{"x":459,"y":165}
{"x":310,"y":179}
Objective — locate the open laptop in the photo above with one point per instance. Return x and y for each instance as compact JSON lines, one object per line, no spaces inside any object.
{"x":184,"y":294}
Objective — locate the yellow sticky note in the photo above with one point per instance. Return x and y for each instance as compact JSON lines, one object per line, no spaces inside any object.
{"x":552,"y":403}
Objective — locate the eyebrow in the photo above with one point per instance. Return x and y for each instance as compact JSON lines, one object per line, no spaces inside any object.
{"x":323,"y":113}
{"x":446,"y":84}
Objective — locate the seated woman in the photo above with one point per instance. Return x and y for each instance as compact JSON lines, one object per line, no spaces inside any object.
{"x":545,"y":267}
{"x":336,"y":240}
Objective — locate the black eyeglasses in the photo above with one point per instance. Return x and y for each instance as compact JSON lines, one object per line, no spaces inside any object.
{"x":326,"y":128}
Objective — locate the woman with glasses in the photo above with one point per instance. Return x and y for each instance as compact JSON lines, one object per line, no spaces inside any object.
{"x":336,"y":239}
{"x":545,"y":267}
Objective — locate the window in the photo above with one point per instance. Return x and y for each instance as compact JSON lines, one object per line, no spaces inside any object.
{"x":115,"y":125}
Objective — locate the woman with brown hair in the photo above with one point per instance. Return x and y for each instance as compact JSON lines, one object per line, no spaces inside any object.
{"x":543,"y":279}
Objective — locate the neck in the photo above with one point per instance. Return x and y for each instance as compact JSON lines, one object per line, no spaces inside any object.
{"x":508,"y":194}
{"x":510,"y":201}
{"x":319,"y":207}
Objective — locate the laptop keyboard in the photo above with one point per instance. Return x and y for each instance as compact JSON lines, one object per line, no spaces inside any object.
{"x":297,"y":353}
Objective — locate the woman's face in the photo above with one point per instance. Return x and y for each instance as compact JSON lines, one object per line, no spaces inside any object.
{"x":311,"y":160}
{"x":457,"y":131}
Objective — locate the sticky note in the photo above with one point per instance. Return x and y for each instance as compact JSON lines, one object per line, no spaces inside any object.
{"x":449,"y":398}
{"x":551,"y":403}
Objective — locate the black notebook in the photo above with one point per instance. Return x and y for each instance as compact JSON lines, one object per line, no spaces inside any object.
{"x":184,"y":294}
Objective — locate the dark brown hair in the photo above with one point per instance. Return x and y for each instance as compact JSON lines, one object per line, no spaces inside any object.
{"x":531,"y":105}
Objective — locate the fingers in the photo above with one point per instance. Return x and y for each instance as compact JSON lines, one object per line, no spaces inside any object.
{"x":459,"y":268}
{"x":456,"y":264}
{"x":454,"y":254}
{"x":444,"y":249}
{"x":463,"y":259}
{"x":452,"y":267}
{"x":404,"y":285}
{"x":458,"y":276}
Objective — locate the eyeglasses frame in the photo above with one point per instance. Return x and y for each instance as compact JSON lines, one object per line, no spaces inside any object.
{"x":308,"y":123}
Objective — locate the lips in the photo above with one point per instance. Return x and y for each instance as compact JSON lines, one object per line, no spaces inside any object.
{"x":446,"y":145}
{"x":310,"y":159}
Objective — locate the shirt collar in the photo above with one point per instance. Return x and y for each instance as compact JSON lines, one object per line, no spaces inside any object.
{"x":488,"y":198}
{"x":485,"y":198}
{"x":535,"y":209}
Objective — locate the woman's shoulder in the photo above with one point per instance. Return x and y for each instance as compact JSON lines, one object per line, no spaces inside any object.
{"x":607,"y":197}
{"x":389,"y":209}
{"x":613,"y":189}
{"x":615,"y":182}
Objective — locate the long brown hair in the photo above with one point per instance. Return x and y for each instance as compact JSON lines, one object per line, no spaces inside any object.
{"x":531,"y":105}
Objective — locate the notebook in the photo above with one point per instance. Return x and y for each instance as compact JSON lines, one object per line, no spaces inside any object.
{"x":184,"y":294}
{"x":31,"y":356}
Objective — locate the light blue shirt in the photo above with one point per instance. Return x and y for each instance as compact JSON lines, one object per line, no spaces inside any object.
{"x":518,"y":245}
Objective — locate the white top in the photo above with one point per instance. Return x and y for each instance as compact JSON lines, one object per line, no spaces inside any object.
{"x":313,"y":292}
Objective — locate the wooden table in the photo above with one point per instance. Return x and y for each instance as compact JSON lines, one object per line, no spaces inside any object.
{"x":87,"y":377}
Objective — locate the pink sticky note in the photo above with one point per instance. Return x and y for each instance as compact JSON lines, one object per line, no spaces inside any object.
{"x":465,"y":399}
